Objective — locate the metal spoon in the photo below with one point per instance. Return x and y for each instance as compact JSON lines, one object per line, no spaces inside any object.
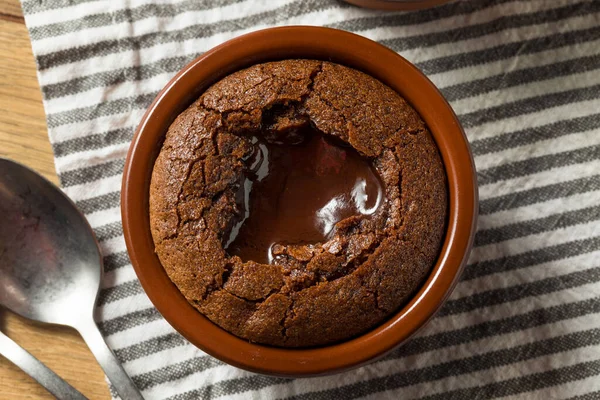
{"x":37,"y":370}
{"x":50,"y":264}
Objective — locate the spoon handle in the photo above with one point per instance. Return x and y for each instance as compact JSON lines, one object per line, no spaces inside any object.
{"x":109,"y":362}
{"x":38,"y":371}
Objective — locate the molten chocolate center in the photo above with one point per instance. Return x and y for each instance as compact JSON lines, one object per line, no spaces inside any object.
{"x":295,"y":193}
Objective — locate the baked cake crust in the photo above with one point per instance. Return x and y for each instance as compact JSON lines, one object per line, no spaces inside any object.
{"x":312,"y":294}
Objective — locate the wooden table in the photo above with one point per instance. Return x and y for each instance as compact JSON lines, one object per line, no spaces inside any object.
{"x":24,"y":138}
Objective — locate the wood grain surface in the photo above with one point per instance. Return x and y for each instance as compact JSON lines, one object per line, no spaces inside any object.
{"x":24,"y":138}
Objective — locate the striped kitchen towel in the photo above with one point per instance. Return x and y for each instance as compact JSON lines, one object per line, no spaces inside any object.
{"x":523,"y":77}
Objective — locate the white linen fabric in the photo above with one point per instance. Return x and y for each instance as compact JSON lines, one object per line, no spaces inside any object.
{"x":524,"y":79}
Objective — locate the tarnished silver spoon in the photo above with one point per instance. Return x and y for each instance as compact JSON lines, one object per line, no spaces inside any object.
{"x":37,"y":370}
{"x":50,"y":263}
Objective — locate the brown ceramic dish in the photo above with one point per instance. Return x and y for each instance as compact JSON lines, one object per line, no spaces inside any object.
{"x":397,"y":5}
{"x":313,"y":43}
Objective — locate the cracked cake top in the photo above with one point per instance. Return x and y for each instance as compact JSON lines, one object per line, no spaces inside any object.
{"x":326,"y":288}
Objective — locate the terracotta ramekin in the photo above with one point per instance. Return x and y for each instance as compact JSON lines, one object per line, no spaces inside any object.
{"x":397,"y":5}
{"x":312,"y":43}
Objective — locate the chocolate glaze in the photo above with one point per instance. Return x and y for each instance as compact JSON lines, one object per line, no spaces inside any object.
{"x":295,"y":193}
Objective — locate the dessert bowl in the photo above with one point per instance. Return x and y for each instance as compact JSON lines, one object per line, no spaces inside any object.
{"x":393,"y":5}
{"x":300,"y":42}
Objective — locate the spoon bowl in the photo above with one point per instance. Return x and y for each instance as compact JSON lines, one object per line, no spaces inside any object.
{"x":50,"y":263}
{"x":49,"y":257}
